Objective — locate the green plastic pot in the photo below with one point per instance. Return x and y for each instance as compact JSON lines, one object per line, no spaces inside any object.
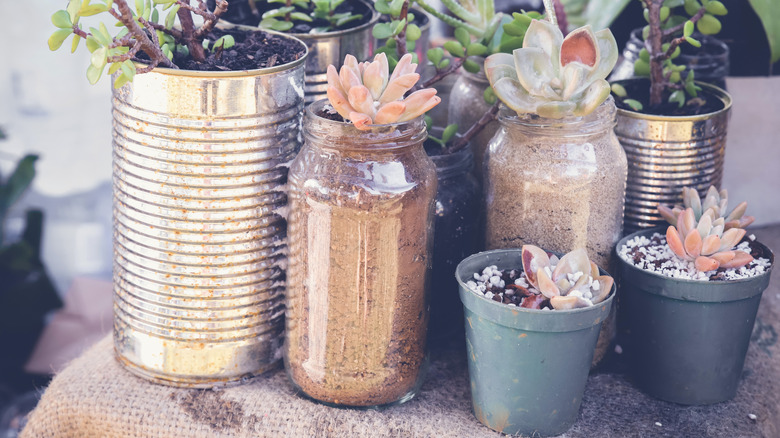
{"x":528,"y":368}
{"x":686,"y":340}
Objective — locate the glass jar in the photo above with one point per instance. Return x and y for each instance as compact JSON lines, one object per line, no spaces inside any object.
{"x":467,"y":105}
{"x":556,"y":184}
{"x":360,"y":232}
{"x":458,"y":203}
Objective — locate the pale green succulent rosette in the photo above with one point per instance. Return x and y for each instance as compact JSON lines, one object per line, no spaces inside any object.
{"x":553,"y":76}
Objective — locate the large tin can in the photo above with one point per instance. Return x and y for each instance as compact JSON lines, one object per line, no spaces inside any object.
{"x":667,"y":153}
{"x":200,"y":171}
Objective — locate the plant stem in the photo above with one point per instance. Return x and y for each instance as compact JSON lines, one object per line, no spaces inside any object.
{"x":400,"y":39}
{"x":673,"y":30}
{"x":125,"y":15}
{"x":475,"y":129}
{"x":550,"y":9}
{"x":188,"y":34}
{"x":656,"y":52}
{"x":441,"y":74}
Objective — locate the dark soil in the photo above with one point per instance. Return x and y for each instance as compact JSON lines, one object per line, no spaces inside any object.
{"x":253,"y":50}
{"x":434,"y":149}
{"x":519,"y":296}
{"x":239,"y":12}
{"x":327,"y":112}
{"x":639,"y":89}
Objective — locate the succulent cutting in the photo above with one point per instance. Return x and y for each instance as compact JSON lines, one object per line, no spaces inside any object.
{"x":553,"y":76}
{"x":703,"y":233}
{"x":366,"y":94}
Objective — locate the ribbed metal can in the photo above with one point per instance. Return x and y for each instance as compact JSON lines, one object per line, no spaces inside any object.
{"x":200,"y":171}
{"x":668,"y":153}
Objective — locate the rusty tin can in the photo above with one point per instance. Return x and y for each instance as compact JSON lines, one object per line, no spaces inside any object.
{"x":200,"y":250}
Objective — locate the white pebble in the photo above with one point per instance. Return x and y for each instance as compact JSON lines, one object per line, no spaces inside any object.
{"x":576,"y":293}
{"x":489,"y":295}
{"x":595,"y":286}
{"x":471,"y":284}
{"x":548,"y":271}
{"x":494,"y":280}
{"x":752,"y":416}
{"x":476,"y":276}
{"x":658,"y":424}
{"x":618,"y":349}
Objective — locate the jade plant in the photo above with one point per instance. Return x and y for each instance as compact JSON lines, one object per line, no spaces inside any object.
{"x":291,"y":11}
{"x":702,"y":232}
{"x":671,"y":23}
{"x":552,"y":75}
{"x":149,"y":28}
{"x":367,"y":94}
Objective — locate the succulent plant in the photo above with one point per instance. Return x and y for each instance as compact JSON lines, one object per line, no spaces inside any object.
{"x":705,"y":242}
{"x":363,"y":94}
{"x":573,"y":282}
{"x":713,"y":200}
{"x":553,"y":76}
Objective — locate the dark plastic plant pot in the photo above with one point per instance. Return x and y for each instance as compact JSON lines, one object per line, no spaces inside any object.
{"x":528,"y":368}
{"x":687,"y":340}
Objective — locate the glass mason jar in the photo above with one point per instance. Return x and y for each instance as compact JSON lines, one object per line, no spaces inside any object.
{"x":360,"y":232}
{"x":467,"y":105}
{"x":556,"y":184}
{"x":458,"y":203}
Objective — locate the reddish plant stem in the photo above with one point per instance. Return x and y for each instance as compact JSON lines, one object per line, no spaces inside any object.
{"x":475,"y":129}
{"x":672,"y":46}
{"x":400,"y":39}
{"x":655,"y":40}
{"x":188,"y":32}
{"x":125,"y":15}
{"x":210,"y":19}
{"x":441,"y":74}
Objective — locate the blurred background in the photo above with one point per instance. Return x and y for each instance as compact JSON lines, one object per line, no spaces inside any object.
{"x":48,"y":108}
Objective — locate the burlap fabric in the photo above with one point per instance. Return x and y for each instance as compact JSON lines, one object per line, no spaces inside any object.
{"x":95,"y":397}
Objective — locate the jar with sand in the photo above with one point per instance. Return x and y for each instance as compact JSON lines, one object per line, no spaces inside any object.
{"x":555,"y":173}
{"x":360,"y":231}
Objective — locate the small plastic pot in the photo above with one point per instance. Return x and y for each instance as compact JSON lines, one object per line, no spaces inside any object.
{"x":687,"y":340}
{"x":528,"y":368}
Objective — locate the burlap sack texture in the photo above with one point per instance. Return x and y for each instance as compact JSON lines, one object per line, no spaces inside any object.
{"x":95,"y":397}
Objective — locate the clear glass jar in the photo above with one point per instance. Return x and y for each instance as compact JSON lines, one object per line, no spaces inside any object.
{"x":467,"y":105}
{"x":458,"y":203}
{"x":360,"y":232}
{"x":557,"y":184}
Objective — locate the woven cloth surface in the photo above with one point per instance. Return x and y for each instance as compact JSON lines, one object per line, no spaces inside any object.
{"x":95,"y":397}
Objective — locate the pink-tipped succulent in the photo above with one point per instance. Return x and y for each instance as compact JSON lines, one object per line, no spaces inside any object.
{"x":705,"y":242}
{"x":553,"y":76}
{"x":571,"y":282}
{"x":366,"y":94}
{"x":713,"y":201}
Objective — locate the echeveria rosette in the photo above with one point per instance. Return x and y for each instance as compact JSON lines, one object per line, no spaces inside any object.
{"x":364,"y":94}
{"x":553,"y":76}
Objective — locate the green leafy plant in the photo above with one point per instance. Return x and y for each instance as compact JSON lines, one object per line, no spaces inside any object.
{"x":599,"y":14}
{"x":400,"y":35}
{"x":149,"y":28}
{"x":768,"y":12}
{"x":283,"y":18}
{"x":672,"y":23}
{"x":446,"y":136}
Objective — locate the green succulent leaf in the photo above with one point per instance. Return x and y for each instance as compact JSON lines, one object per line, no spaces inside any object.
{"x":225,"y":41}
{"x":381,"y":31}
{"x":93,"y":74}
{"x":633,"y":104}
{"x":155,"y":16}
{"x":462,"y":35}
{"x":618,"y":90}
{"x":390,"y":43}
{"x":665,"y":11}
{"x":413,"y":33}
{"x":91,"y":10}
{"x":489,"y":96}
{"x":671,"y":4}
{"x":435,"y":55}
{"x":300,"y":16}
{"x":678,"y":96}
{"x":444,"y":63}
{"x":708,"y":25}
{"x":75,"y":43}
{"x":644,"y":55}
{"x":61,"y":19}
{"x":99,"y":57}
{"x":716,"y":8}
{"x":171,"y":17}
{"x":114,"y":67}
{"x":382,"y":7}
{"x":120,"y":81}
{"x":510,"y":44}
{"x":688,"y":28}
{"x":58,"y":37}
{"x":692,"y":7}
{"x":693,"y":42}
{"x":92,"y":43}
{"x":646,"y":32}
{"x":73,"y":9}
{"x":476,"y":49}
{"x":449,"y":132}
{"x":399,"y":27}
{"x":455,"y":48}
{"x":471,"y":66}
{"x":641,"y":68}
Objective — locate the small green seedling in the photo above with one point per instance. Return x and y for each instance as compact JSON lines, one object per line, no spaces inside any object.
{"x":284,"y":18}
{"x":446,"y":136}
